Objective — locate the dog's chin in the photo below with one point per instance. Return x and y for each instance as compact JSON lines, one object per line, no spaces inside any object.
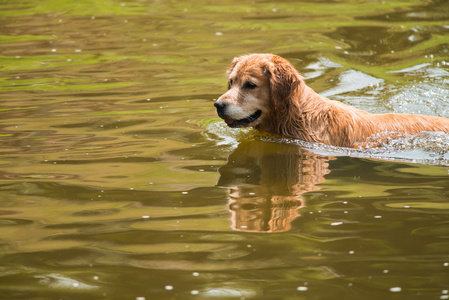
{"x":251,"y":120}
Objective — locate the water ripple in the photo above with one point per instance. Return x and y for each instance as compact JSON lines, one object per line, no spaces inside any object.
{"x":429,"y":148}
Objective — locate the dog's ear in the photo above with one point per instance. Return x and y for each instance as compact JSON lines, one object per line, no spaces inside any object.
{"x":285,"y":89}
{"x":284,"y":81}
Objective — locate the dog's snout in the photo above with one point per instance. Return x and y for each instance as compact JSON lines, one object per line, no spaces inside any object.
{"x":220,"y":105}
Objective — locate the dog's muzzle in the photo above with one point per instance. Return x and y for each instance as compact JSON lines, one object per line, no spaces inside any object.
{"x":221,"y":108}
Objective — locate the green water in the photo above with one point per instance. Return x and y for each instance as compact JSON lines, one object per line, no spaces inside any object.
{"x":118,"y":180}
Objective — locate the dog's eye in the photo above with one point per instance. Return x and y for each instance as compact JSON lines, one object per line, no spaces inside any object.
{"x":229,"y":83}
{"x":249,"y":85}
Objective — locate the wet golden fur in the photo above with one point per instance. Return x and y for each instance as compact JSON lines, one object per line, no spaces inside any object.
{"x":288,"y":107}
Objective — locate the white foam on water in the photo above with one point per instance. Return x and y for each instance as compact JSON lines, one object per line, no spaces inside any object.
{"x":429,"y":148}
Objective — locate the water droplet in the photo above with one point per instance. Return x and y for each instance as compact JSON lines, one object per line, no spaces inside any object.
{"x":395,"y":289}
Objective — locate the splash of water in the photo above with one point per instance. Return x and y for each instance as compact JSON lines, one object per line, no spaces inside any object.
{"x":429,"y":148}
{"x":432,"y":142}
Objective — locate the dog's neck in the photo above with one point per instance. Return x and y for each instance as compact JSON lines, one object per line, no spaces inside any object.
{"x":314,"y":118}
{"x":295,"y":117}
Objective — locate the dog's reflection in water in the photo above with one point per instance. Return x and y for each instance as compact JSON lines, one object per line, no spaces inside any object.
{"x":266,"y":182}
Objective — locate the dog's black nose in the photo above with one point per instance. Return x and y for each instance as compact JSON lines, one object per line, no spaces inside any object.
{"x":219,"y":105}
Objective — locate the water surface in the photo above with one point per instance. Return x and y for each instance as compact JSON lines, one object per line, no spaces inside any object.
{"x":118,"y":181}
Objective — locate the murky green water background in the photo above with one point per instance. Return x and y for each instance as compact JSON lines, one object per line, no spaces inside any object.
{"x":118,"y":181}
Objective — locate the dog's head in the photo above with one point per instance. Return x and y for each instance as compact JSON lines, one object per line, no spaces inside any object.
{"x":258,"y":87}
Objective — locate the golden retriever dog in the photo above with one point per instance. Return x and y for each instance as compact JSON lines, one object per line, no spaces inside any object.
{"x":266,"y":92}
